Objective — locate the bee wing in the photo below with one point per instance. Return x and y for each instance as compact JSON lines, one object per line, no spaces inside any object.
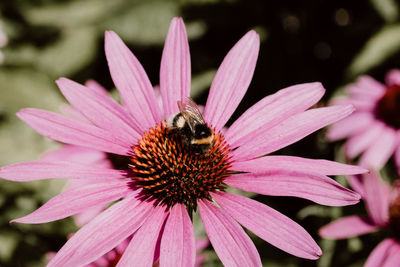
{"x":191,"y":112}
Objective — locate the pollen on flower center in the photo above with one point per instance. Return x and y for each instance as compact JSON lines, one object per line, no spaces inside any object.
{"x":388,"y":107}
{"x":170,"y":172}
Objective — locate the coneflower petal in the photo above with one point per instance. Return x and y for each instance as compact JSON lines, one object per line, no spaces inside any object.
{"x":132,"y":82}
{"x":66,"y":130}
{"x":104,"y":232}
{"x":348,"y":227}
{"x":175,"y":67}
{"x":232,"y":80}
{"x":270,"y":225}
{"x":229,"y":240}
{"x":272,"y":110}
{"x":77,"y":200}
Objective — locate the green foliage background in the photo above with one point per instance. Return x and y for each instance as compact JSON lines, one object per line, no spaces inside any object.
{"x":302,"y":41}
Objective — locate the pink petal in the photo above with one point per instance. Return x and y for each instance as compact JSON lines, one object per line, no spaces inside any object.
{"x":393,"y":77}
{"x":77,"y":154}
{"x":362,"y":104}
{"x":273,"y":109}
{"x":348,"y":227}
{"x":290,"y":131}
{"x":370,"y":85}
{"x":270,"y":225}
{"x":66,"y":130}
{"x":92,"y":84}
{"x":394,"y":257}
{"x":382,"y":253}
{"x":175,"y":67}
{"x":377,"y":198}
{"x":101,"y":110}
{"x":232,"y":80}
{"x":177,"y":243}
{"x":316,"y":166}
{"x":37,"y":170}
{"x":73,"y":113}
{"x":318,"y":188}
{"x":363,"y":89}
{"x":132,"y":82}
{"x":380,"y":151}
{"x":232,"y":245}
{"x":201,"y":243}
{"x":104,"y":232}
{"x":140,"y":251}
{"x":200,"y":259}
{"x":353,"y":124}
{"x":360,"y":142}
{"x":355,"y":182}
{"x":87,"y":215}
{"x":77,"y":200}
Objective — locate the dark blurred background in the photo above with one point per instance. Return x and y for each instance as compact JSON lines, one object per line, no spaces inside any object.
{"x":301,"y":41}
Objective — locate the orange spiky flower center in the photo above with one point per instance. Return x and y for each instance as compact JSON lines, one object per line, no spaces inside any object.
{"x":388,"y":107}
{"x":170,"y":172}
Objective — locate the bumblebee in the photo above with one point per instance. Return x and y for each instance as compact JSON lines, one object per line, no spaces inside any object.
{"x":191,"y":127}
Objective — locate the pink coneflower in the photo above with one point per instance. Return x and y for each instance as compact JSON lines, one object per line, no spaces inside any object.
{"x":383,"y":206}
{"x":374,"y":128}
{"x":164,"y":170}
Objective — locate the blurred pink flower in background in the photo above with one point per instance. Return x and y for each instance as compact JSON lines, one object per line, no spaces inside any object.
{"x":165,"y":179}
{"x":374,"y":128}
{"x":383,"y":206}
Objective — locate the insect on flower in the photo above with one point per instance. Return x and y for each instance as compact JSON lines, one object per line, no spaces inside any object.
{"x":191,"y":127}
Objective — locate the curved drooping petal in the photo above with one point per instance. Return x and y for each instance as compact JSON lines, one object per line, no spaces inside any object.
{"x":353,"y":124}
{"x":175,"y":67}
{"x":104,"y":232}
{"x":38,"y":170}
{"x":377,"y":198}
{"x":380,"y":151}
{"x":318,"y":188}
{"x":393,"y":77}
{"x":77,"y":200}
{"x":178,"y":242}
{"x":101,"y":110}
{"x":232,"y":80}
{"x":273,"y":109}
{"x":132,"y":82}
{"x":270,"y":164}
{"x":232,"y":245}
{"x":382,"y":253}
{"x":66,"y":130}
{"x":270,"y":225}
{"x":348,"y":227}
{"x":361,"y":141}
{"x":140,"y":251}
{"x":289,"y":131}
